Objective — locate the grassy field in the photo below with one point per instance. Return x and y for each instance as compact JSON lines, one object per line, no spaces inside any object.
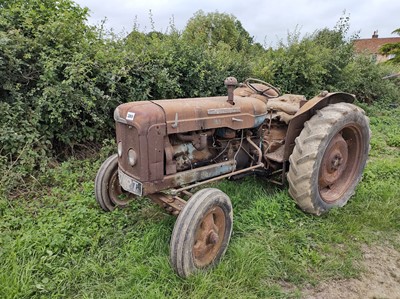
{"x":55,"y":242}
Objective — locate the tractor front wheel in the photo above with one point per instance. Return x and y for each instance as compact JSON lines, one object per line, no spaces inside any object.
{"x":202,"y":232}
{"x":108,"y":192}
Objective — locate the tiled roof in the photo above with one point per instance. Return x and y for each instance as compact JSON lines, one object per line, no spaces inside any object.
{"x":372,"y":45}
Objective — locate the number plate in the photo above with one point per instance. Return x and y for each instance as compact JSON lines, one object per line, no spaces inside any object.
{"x":129,"y":184}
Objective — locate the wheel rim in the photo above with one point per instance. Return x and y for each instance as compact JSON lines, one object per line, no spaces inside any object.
{"x":340,"y":163}
{"x":209,"y":237}
{"x":118,"y":196}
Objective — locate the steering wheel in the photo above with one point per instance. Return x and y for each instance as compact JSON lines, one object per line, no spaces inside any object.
{"x":248,"y":82}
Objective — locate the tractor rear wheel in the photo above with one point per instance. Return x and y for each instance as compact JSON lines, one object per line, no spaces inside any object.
{"x":329,"y":157}
{"x":202,"y":232}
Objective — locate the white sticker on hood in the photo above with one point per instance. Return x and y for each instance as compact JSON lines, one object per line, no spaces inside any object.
{"x":130,"y":116}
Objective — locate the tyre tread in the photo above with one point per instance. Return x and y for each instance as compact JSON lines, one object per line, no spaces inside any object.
{"x":307,"y":146}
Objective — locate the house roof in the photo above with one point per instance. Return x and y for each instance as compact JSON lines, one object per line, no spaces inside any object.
{"x":372,"y":45}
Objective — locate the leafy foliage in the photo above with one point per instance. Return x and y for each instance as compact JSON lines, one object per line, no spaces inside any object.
{"x":315,"y":62}
{"x":363,"y":77}
{"x":60,"y":79}
{"x":392,"y":48}
{"x":214,"y":28}
{"x":54,"y":75}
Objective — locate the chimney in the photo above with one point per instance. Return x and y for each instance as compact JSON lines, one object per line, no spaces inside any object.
{"x":375,"y":35}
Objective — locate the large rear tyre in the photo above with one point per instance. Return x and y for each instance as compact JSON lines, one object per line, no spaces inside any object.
{"x":329,"y":157}
{"x":108,"y":192}
{"x":202,"y":232}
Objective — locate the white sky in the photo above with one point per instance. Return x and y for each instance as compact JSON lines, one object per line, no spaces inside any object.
{"x":266,"y":21}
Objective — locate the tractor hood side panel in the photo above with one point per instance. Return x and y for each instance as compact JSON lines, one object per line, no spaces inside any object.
{"x":186,"y":115}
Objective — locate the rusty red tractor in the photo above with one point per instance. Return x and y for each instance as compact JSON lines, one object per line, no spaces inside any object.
{"x":168,"y":148}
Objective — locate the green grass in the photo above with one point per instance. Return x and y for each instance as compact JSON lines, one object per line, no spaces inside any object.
{"x":55,"y":242}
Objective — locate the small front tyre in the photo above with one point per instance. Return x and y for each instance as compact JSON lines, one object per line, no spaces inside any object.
{"x":202,"y":232}
{"x":108,"y":192}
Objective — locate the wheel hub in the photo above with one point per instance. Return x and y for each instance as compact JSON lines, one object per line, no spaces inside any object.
{"x":213,"y":237}
{"x":118,"y":196}
{"x":209,"y":236}
{"x":334,"y":161}
{"x":339,"y":164}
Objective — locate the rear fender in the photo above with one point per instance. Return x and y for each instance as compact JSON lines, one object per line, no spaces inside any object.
{"x":307,"y":111}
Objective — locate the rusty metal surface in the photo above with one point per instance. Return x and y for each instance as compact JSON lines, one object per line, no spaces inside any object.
{"x":186,"y":177}
{"x":276,"y":155}
{"x":141,"y":115}
{"x":172,"y":204}
{"x":209,"y":236}
{"x":334,"y":161}
{"x":187,"y":156}
{"x":170,"y":164}
{"x":186,"y":115}
{"x":340,"y":163}
{"x":118,"y":196}
{"x":200,"y":174}
{"x":256,"y":149}
{"x":231,"y":84}
{"x":248,"y":169}
{"x":274,"y":137}
{"x":141,"y":126}
{"x":307,"y":111}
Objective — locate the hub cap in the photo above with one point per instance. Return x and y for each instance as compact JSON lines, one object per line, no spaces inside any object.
{"x":118,"y":196}
{"x":340,"y":164}
{"x":209,"y":236}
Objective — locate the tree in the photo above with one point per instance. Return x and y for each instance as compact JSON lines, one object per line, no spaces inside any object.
{"x":213,"y":28}
{"x":392,"y":49}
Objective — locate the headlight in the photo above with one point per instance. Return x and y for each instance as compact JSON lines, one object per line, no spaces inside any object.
{"x":120,"y":149}
{"x":132,"y":157}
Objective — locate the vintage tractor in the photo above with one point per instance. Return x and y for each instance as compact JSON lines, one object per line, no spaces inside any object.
{"x":167,"y":148}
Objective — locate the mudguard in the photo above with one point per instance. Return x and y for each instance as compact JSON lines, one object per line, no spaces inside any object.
{"x":307,"y":111}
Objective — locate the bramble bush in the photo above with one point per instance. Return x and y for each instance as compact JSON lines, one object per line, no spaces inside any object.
{"x":61,"y":79}
{"x":54,"y":86}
